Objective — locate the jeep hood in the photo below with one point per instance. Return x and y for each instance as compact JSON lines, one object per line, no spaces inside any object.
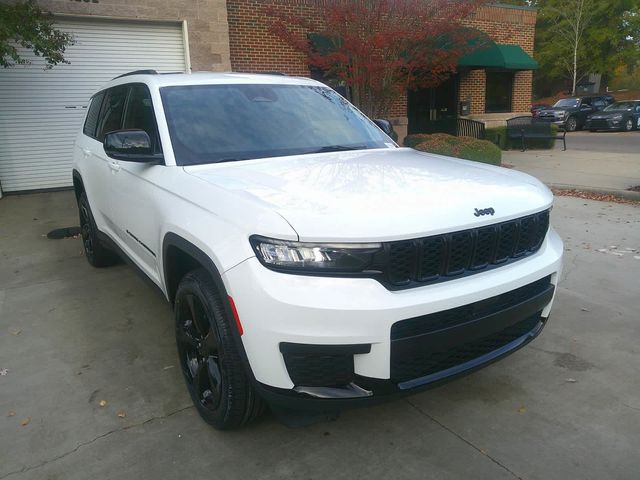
{"x":380,"y":194}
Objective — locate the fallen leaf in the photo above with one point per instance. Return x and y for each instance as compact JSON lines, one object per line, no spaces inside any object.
{"x":3,"y":372}
{"x":522,"y":409}
{"x":25,"y":422}
{"x":102,"y":403}
{"x":570,"y":380}
{"x":15,"y":331}
{"x":585,"y":309}
{"x":167,"y":367}
{"x":11,"y":414}
{"x":121,"y":414}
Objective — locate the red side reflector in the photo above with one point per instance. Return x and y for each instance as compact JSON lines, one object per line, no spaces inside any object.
{"x":235,"y":315}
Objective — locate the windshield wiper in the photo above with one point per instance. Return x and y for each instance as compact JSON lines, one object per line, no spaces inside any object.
{"x":339,"y":148}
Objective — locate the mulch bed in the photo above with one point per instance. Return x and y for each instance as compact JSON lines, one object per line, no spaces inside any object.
{"x":601,"y":197}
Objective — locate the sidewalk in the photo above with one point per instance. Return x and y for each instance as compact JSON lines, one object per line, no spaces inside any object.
{"x":602,"y":172}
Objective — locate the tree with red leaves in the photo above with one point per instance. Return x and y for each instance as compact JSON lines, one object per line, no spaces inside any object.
{"x":381,"y":48}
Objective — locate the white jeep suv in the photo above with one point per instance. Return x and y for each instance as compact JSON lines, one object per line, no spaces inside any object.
{"x":313,"y":265}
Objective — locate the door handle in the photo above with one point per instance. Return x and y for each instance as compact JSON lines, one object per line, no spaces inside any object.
{"x":115,"y":166}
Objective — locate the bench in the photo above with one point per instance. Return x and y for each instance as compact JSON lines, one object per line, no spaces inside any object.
{"x":525,"y":127}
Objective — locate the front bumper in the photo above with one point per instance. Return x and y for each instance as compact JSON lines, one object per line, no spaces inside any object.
{"x":282,"y":311}
{"x":604,"y":124}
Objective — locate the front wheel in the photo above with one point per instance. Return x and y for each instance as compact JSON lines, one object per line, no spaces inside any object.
{"x":571,"y":124}
{"x":212,"y":367}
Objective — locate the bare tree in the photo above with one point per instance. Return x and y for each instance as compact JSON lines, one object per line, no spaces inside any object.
{"x":570,"y":21}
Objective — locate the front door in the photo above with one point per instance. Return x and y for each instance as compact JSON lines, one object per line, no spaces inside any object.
{"x":427,"y":106}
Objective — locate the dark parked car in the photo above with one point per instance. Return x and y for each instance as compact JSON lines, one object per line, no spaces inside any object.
{"x":617,"y":116}
{"x":571,"y":113}
{"x":537,"y":107}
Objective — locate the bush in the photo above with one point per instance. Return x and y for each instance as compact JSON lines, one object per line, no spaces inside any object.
{"x":498,"y":136}
{"x":467,"y":148}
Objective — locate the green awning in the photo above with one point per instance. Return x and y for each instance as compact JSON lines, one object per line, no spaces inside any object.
{"x":510,"y":57}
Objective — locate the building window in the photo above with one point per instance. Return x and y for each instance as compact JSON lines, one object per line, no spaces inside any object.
{"x":498,"y":92}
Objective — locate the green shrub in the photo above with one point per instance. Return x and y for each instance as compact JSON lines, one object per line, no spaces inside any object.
{"x":468,"y":148}
{"x":416,"y":139}
{"x":498,"y":136}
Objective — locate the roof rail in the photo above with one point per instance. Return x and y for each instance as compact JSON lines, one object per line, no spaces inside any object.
{"x":275,"y":73}
{"x":137,"y":72}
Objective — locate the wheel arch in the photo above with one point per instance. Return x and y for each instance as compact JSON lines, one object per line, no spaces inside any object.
{"x":78,"y":184}
{"x":179,"y":257}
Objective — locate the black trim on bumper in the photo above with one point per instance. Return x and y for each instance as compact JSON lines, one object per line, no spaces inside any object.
{"x":492,"y":331}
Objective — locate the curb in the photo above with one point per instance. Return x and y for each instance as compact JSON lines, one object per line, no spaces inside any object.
{"x":626,"y":194}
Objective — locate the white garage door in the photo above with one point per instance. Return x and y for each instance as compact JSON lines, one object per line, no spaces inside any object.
{"x":41,"y":110}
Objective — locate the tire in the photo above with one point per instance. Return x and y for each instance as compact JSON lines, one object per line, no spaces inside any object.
{"x":571,"y":124}
{"x":212,"y":367}
{"x":97,"y":254}
{"x":628,"y":126}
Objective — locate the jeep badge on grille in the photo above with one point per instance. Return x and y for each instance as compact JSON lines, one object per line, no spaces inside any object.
{"x":484,"y":211}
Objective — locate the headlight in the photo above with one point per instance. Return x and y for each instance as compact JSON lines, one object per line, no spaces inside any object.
{"x":561,"y":114}
{"x":314,"y":257}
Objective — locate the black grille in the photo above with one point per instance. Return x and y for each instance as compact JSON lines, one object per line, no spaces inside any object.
{"x":319,"y":370}
{"x":420,"y":364}
{"x":459,"y":315}
{"x":442,"y":257}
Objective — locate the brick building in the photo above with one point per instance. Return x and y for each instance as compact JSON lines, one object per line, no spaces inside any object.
{"x":254,"y":49}
{"x":41,"y":110}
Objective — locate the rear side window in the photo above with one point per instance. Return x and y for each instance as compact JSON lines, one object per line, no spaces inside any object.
{"x":91,"y":122}
{"x":111,"y":112}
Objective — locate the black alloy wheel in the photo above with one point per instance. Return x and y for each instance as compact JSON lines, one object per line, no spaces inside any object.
{"x":628,"y":126}
{"x":209,"y":356}
{"x":571,"y":124}
{"x":97,"y":254}
{"x":199,"y":350}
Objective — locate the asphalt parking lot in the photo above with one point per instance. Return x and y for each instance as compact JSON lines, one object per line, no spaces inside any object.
{"x":603,"y":141}
{"x":566,"y":406}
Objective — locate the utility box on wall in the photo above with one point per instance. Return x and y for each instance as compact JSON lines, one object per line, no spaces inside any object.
{"x":465,"y":107}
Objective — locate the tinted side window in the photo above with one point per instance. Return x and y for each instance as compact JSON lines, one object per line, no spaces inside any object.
{"x":91,"y":122}
{"x":112,"y":109}
{"x":139,"y":114}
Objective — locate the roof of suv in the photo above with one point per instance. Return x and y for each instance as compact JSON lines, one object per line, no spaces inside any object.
{"x":207,"y":78}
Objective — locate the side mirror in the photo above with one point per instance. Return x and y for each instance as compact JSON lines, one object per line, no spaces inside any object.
{"x":386,"y":127}
{"x":131,"y":146}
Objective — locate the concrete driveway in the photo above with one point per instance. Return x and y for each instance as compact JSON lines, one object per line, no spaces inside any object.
{"x":566,"y":406}
{"x":605,"y":162}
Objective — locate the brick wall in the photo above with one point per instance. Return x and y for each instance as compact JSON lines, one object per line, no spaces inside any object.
{"x":510,"y":26}
{"x":472,"y":88}
{"x":206,"y":22}
{"x":254,"y":49}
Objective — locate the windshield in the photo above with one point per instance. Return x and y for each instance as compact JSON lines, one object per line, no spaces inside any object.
{"x":619,"y":106}
{"x":222,"y":123}
{"x":568,"y":103}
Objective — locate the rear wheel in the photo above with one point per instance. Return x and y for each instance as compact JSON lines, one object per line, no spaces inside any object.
{"x":97,"y":254}
{"x":571,"y":124}
{"x":211,"y":364}
{"x":628,"y":126}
